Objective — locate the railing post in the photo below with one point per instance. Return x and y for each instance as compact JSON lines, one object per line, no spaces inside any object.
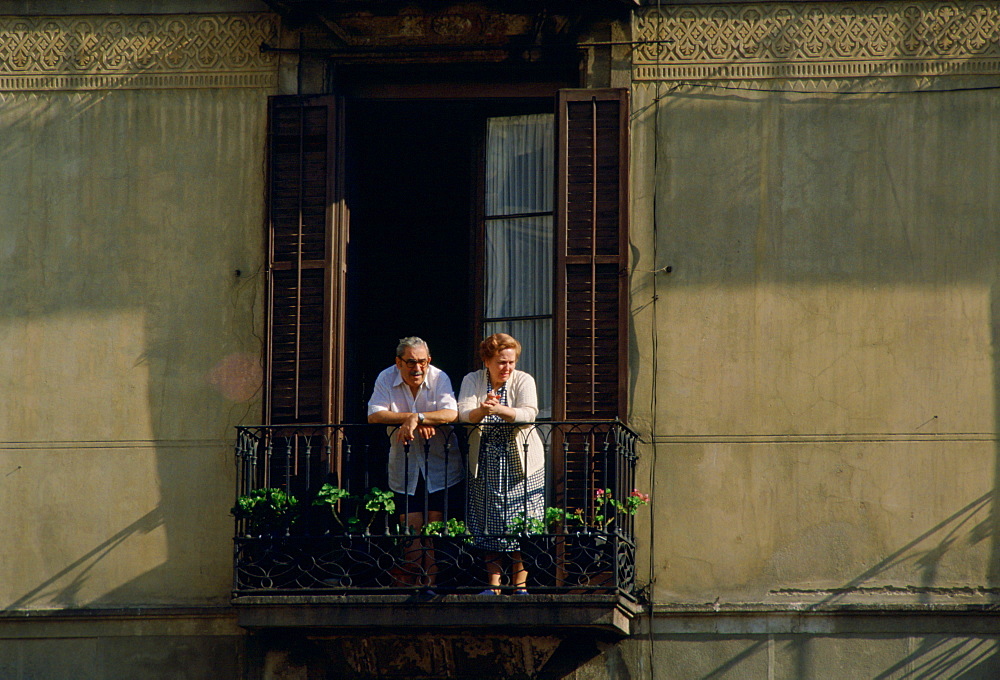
{"x":427,"y":484}
{"x":406,"y":480}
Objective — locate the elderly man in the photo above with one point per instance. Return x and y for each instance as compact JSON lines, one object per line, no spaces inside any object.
{"x":415,"y":396}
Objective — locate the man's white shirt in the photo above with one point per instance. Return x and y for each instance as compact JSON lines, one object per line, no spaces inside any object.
{"x":443,"y":460}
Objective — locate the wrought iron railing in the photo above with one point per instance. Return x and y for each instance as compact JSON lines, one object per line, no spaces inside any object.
{"x":314,"y":514}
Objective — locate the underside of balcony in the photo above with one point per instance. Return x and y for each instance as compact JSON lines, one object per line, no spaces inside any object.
{"x":605,"y":615}
{"x":420,"y":637}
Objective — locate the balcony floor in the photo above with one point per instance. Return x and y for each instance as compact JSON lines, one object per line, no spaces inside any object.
{"x":608,"y":614}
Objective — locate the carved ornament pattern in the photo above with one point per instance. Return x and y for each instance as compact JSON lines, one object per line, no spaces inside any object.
{"x":817,"y":40}
{"x":476,"y":27}
{"x":169,"y":51}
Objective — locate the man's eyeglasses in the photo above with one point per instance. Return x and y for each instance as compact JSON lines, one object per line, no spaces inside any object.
{"x":412,"y":363}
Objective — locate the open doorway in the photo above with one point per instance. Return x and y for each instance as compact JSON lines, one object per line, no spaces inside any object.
{"x":414,"y":176}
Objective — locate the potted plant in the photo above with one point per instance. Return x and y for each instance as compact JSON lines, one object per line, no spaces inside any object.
{"x":332,"y":545}
{"x":543,"y":540}
{"x":449,"y":527}
{"x":267,"y":512}
{"x":328,"y":500}
{"x":553,"y":521}
{"x":352,"y":553}
{"x":376,"y":503}
{"x":594,"y":555}
{"x":454,"y":561}
{"x":607,"y":508}
{"x":264,"y":557}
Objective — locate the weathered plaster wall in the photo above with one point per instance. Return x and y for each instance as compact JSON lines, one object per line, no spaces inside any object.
{"x":161,"y":645}
{"x":129,"y":338}
{"x":130,"y":237}
{"x":822,"y":399}
{"x":732,"y":654}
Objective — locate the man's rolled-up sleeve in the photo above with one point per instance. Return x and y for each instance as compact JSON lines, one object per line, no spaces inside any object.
{"x":381,"y":399}
{"x":444,"y":394}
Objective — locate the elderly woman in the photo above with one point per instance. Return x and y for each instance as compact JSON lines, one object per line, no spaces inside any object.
{"x":506,"y":462}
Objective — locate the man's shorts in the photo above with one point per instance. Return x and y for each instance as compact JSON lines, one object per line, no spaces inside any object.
{"x":455,"y":495}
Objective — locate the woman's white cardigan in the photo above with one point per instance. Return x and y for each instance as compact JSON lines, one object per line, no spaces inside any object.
{"x":522,"y":397}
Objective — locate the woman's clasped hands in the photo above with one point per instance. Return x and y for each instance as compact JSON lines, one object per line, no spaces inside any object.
{"x":491,"y":406}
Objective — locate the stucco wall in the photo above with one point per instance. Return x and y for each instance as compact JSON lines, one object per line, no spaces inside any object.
{"x":822,"y":402}
{"x":131,"y":210}
{"x":731,"y":654}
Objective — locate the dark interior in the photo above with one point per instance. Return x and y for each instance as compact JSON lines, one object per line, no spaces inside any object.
{"x":413,"y":187}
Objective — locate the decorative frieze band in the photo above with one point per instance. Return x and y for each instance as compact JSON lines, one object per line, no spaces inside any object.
{"x":816,"y":40}
{"x":95,"y":53}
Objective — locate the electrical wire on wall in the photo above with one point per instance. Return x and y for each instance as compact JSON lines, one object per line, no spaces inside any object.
{"x":244,"y":297}
{"x":655,"y":360}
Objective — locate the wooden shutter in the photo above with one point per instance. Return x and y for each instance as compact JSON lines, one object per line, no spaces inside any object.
{"x":591,"y":240}
{"x":305,"y":260}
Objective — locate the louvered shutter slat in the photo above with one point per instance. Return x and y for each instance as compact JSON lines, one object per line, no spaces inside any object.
{"x":591,"y":253}
{"x":301,"y":292}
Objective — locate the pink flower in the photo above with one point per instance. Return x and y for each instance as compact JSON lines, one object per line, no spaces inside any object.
{"x":643,"y":497}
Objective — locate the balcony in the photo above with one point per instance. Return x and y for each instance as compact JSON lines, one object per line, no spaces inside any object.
{"x":319,"y":545}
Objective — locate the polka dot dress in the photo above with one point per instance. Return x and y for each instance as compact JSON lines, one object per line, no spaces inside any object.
{"x":500,"y":494}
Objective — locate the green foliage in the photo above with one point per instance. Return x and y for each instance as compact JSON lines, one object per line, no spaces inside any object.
{"x":267,"y":510}
{"x":604,"y":501}
{"x":330,"y":496}
{"x":553,"y":522}
{"x":449,"y":527}
{"x":368,"y":508}
{"x":377,"y":500}
{"x":273,"y":510}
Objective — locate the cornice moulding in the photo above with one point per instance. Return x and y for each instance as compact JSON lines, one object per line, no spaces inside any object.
{"x":136,"y":52}
{"x":793,"y":40}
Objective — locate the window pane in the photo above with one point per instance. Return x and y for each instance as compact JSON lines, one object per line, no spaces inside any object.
{"x":518,"y":267}
{"x":535,"y":336}
{"x":519,"y":162}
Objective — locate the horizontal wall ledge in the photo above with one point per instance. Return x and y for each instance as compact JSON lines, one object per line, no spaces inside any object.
{"x":752,"y":620}
{"x":119,"y":622}
{"x":845,"y":438}
{"x":61,"y":445}
{"x":598,"y":613}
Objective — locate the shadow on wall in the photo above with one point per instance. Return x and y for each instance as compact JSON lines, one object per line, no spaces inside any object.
{"x":956,"y":655}
{"x":132,"y":295}
{"x":939,"y":656}
{"x":969,"y":657}
{"x":54,"y":591}
{"x":962,"y":526}
{"x":940,"y":648}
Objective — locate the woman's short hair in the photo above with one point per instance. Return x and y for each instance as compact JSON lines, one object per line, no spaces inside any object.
{"x":496,"y":343}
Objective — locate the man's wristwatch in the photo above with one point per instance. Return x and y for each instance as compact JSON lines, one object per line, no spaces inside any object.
{"x":420,"y":418}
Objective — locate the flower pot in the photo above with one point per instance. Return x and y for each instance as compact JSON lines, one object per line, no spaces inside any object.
{"x":592,"y":563}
